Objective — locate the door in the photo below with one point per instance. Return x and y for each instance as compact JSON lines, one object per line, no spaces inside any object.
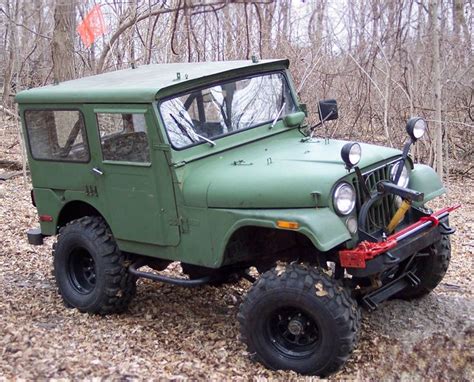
{"x":133,"y":180}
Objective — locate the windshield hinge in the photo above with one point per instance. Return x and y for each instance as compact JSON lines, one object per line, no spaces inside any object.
{"x":179,"y":164}
{"x":161,"y":147}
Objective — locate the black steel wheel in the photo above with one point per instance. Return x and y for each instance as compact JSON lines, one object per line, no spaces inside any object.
{"x":90,"y":271}
{"x":430,"y":266}
{"x":81,"y":270}
{"x":293,"y":332}
{"x":298,"y":318}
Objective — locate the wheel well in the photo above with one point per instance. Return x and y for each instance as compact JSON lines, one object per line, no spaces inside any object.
{"x":75,"y":210}
{"x":260,"y":246}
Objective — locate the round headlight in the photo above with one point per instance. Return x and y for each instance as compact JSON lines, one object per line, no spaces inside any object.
{"x":398,"y":201}
{"x":404,"y":178}
{"x":416,"y":128}
{"x":351,"y":153}
{"x":344,"y":198}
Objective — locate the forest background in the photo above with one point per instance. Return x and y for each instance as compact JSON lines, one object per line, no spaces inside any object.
{"x":383,"y":61}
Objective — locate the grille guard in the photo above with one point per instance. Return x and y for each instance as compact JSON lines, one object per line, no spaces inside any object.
{"x":383,"y":189}
{"x":367,"y":250}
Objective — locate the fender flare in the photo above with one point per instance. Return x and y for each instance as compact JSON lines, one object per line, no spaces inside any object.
{"x":424,"y":179}
{"x":321,"y":226}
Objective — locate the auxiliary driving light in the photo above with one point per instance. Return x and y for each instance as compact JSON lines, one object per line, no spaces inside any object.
{"x":416,"y":128}
{"x":351,"y":153}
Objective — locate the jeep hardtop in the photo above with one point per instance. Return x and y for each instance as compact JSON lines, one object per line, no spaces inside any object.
{"x":213,"y":165}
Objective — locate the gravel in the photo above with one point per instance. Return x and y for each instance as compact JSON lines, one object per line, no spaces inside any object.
{"x":176,"y":333}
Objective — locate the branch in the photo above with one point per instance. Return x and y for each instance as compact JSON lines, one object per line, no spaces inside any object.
{"x":24,"y":26}
{"x":448,"y":122}
{"x":8,"y":112}
{"x":136,"y":19}
{"x":173,"y":31}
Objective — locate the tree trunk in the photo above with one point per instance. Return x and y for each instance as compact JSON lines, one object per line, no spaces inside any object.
{"x":63,"y":40}
{"x":11,"y":57}
{"x":434,"y":5}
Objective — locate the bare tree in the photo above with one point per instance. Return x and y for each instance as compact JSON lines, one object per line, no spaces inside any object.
{"x":383,"y":61}
{"x":434,"y":6}
{"x":62,"y":50}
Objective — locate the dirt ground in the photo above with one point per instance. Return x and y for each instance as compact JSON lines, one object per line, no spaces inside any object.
{"x":176,"y":333}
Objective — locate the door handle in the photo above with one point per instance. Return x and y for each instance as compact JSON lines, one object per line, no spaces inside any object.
{"x":97,"y":171}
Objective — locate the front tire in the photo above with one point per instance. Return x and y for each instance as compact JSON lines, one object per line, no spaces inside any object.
{"x":430,"y":269}
{"x":298,"y":318}
{"x":90,"y":270}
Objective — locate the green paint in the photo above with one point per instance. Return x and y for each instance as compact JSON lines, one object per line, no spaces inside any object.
{"x":185,"y":205}
{"x":294,"y":119}
{"x":424,"y":179}
{"x":143,"y":83}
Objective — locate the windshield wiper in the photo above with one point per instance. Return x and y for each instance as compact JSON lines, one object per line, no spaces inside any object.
{"x":182,"y":128}
{"x":185,"y":130}
{"x":278,"y":115}
{"x":211,"y":142}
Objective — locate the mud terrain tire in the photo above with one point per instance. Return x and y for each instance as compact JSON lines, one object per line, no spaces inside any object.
{"x":429,"y":269}
{"x":90,"y":271}
{"x":298,"y":318}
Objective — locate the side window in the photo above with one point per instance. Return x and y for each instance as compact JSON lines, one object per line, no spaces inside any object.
{"x":123,"y":137}
{"x":57,"y":135}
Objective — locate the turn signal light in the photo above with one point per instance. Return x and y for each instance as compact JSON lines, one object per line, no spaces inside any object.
{"x":287,"y":225}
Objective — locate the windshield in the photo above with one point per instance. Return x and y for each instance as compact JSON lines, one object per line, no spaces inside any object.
{"x":226,"y":108}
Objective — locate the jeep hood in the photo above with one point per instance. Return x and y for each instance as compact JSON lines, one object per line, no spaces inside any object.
{"x":278,"y":172}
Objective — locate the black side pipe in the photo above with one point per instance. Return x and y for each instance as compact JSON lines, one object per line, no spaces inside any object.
{"x":133,"y":269}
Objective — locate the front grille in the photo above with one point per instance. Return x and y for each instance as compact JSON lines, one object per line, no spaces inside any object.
{"x":382,"y":211}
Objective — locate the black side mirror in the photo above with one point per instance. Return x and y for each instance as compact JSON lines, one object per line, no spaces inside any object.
{"x":328,"y":109}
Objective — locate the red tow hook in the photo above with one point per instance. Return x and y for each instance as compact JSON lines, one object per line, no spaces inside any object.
{"x":366,"y":250}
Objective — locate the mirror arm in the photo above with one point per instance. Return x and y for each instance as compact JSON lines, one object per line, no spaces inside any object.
{"x":322,"y":121}
{"x":278,"y":115}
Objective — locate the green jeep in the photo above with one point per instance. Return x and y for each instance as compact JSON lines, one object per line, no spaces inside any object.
{"x":212,"y":165}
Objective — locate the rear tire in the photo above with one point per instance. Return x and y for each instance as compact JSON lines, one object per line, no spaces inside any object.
{"x":429,"y":269}
{"x":90,"y":271}
{"x":298,"y":318}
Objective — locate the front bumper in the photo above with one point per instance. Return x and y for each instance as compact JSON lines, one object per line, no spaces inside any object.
{"x":370,"y":258}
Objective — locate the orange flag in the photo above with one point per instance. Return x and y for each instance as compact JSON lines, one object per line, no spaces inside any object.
{"x":92,"y":26}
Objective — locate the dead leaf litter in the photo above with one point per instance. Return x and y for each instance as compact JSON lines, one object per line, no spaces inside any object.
{"x":178,"y":333}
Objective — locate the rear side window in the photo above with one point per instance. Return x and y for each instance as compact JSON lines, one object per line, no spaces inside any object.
{"x":123,"y":137}
{"x":58,"y":135}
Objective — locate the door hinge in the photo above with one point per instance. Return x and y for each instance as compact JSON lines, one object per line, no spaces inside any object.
{"x":180,"y":222}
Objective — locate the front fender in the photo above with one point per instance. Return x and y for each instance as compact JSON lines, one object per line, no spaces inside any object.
{"x":322,"y":226}
{"x":424,"y":179}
